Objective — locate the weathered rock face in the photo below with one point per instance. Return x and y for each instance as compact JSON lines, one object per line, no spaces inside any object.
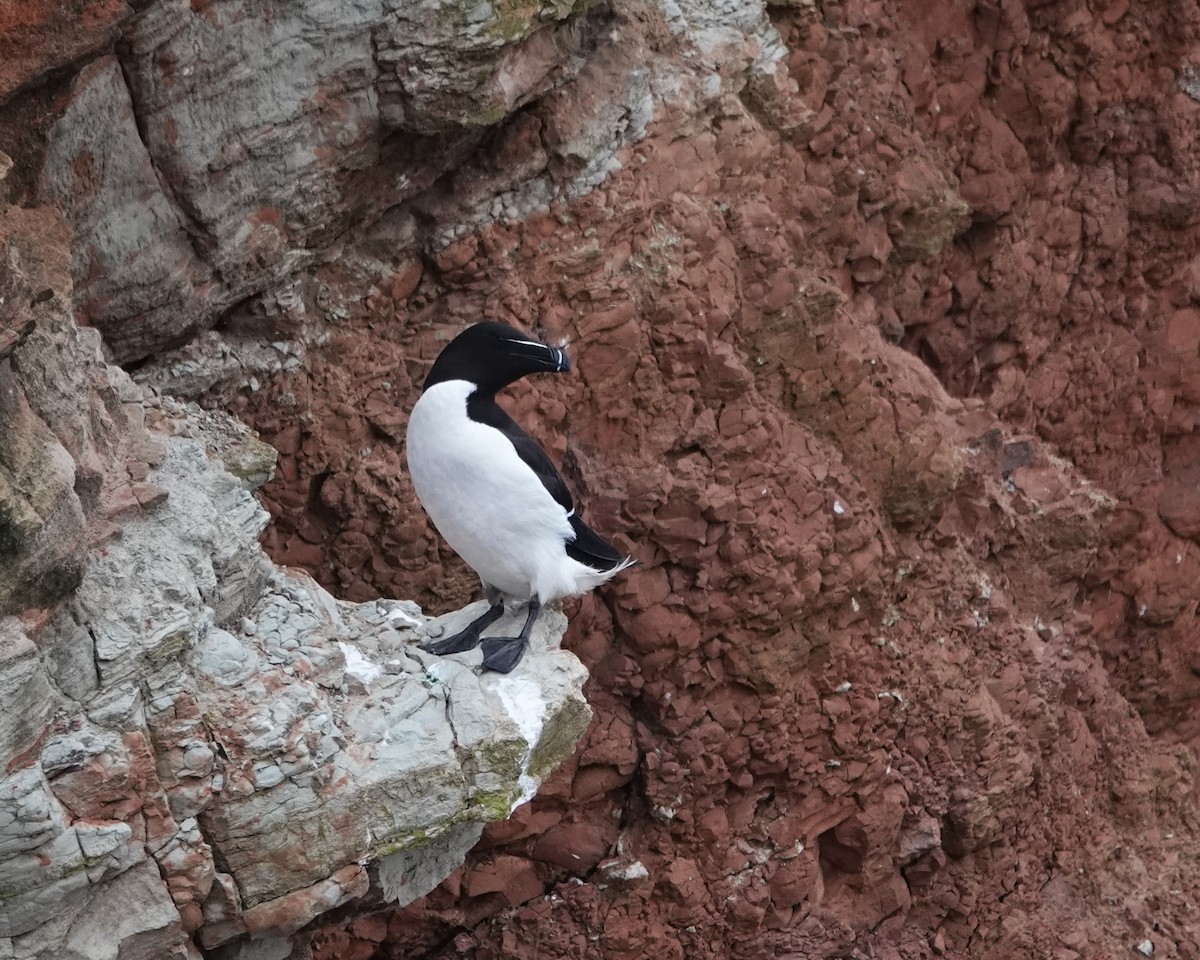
{"x":133,"y":255}
{"x":196,"y":746}
{"x":68,"y":430}
{"x":38,"y":38}
{"x":192,"y":182}
{"x":894,"y":676}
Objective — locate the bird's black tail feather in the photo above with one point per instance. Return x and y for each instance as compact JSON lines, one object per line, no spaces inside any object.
{"x":592,"y":550}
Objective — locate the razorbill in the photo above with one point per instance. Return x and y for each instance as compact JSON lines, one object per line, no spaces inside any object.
{"x":493,"y":493}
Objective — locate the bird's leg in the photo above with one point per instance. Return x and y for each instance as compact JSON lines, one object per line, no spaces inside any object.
{"x":503,"y":653}
{"x":468,"y":637}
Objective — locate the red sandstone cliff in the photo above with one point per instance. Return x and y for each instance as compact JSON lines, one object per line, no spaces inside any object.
{"x":888,"y":353}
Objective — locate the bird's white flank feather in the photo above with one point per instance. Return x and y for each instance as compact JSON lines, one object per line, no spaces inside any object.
{"x":488,"y":504}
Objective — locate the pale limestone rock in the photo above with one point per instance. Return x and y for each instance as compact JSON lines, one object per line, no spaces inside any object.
{"x":448,"y":65}
{"x":24,"y":691}
{"x":217,"y":357}
{"x":29,"y":812}
{"x":196,"y":186}
{"x":134,"y":262}
{"x":41,"y":518}
{"x":228,"y":441}
{"x":130,"y":918}
{"x":68,"y":649}
{"x":49,"y":864}
{"x":240,"y":178}
{"x":67,"y":417}
{"x":412,"y":873}
{"x":312,"y":779}
{"x":266,"y":167}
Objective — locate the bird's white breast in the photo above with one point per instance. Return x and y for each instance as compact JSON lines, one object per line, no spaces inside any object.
{"x":482,"y":497}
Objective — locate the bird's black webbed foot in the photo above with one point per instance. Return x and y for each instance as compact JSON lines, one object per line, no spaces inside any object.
{"x":468,"y":637}
{"x":503,"y":653}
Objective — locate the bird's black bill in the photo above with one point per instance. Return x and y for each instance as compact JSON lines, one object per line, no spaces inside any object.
{"x":549,"y":358}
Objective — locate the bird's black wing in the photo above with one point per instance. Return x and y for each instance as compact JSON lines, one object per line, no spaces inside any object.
{"x":487,"y":411}
{"x":588,"y":547}
{"x":591,"y":549}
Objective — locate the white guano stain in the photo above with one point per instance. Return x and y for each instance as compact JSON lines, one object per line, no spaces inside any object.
{"x":523,"y":701}
{"x":398,"y":614}
{"x":364,"y":670}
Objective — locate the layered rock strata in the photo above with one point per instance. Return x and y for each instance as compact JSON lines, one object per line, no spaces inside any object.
{"x":194,"y":181}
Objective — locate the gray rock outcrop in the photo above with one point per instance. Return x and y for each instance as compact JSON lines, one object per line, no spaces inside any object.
{"x":194,"y":179}
{"x":219,"y":150}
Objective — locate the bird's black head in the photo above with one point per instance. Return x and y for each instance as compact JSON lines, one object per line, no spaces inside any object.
{"x":492,"y":355}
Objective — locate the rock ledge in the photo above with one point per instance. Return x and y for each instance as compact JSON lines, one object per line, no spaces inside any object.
{"x":195,"y":741}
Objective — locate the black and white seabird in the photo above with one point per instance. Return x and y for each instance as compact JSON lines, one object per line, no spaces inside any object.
{"x":493,"y":493}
